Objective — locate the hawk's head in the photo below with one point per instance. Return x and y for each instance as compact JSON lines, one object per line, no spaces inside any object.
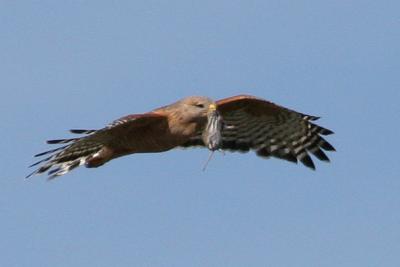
{"x":203,"y":111}
{"x":196,"y":108}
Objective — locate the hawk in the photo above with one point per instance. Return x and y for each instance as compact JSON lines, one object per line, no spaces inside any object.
{"x":239,"y":123}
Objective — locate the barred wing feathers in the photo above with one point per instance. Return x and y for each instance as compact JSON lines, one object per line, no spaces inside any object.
{"x":93,"y":148}
{"x":270,"y":130}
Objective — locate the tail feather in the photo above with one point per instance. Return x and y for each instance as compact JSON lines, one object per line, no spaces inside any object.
{"x":66,"y":158}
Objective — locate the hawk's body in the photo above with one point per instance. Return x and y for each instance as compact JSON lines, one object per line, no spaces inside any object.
{"x":240,"y":123}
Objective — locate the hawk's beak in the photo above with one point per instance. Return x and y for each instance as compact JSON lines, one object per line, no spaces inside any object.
{"x":212,"y":107}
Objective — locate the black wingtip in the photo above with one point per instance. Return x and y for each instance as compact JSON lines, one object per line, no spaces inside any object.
{"x":50,"y":151}
{"x":81,"y":131}
{"x":308,"y":162}
{"x":40,"y":161}
{"x":314,"y":118}
{"x":30,"y":175}
{"x":326,"y":132}
{"x":326,"y":146}
{"x":44,"y":153}
{"x":55,"y":141}
{"x":77,"y":131}
{"x":318,"y":153}
{"x":61,"y":141}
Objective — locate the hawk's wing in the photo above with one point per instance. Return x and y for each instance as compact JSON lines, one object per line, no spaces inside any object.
{"x":270,"y":130}
{"x":133,"y":131}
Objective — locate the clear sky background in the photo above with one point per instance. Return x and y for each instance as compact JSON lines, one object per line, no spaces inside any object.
{"x":82,"y":64}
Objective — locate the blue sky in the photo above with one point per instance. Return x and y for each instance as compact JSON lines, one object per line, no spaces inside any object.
{"x":82,"y":64}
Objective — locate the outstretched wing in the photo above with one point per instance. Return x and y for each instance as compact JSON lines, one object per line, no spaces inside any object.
{"x":270,"y":130}
{"x":123,"y":136}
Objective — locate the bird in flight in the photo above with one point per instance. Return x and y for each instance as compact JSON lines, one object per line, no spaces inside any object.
{"x":239,"y":123}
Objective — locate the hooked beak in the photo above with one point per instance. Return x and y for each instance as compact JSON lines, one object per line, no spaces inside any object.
{"x":212,"y":107}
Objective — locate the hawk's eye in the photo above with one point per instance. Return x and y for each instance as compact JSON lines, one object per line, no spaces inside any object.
{"x":199,"y":105}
